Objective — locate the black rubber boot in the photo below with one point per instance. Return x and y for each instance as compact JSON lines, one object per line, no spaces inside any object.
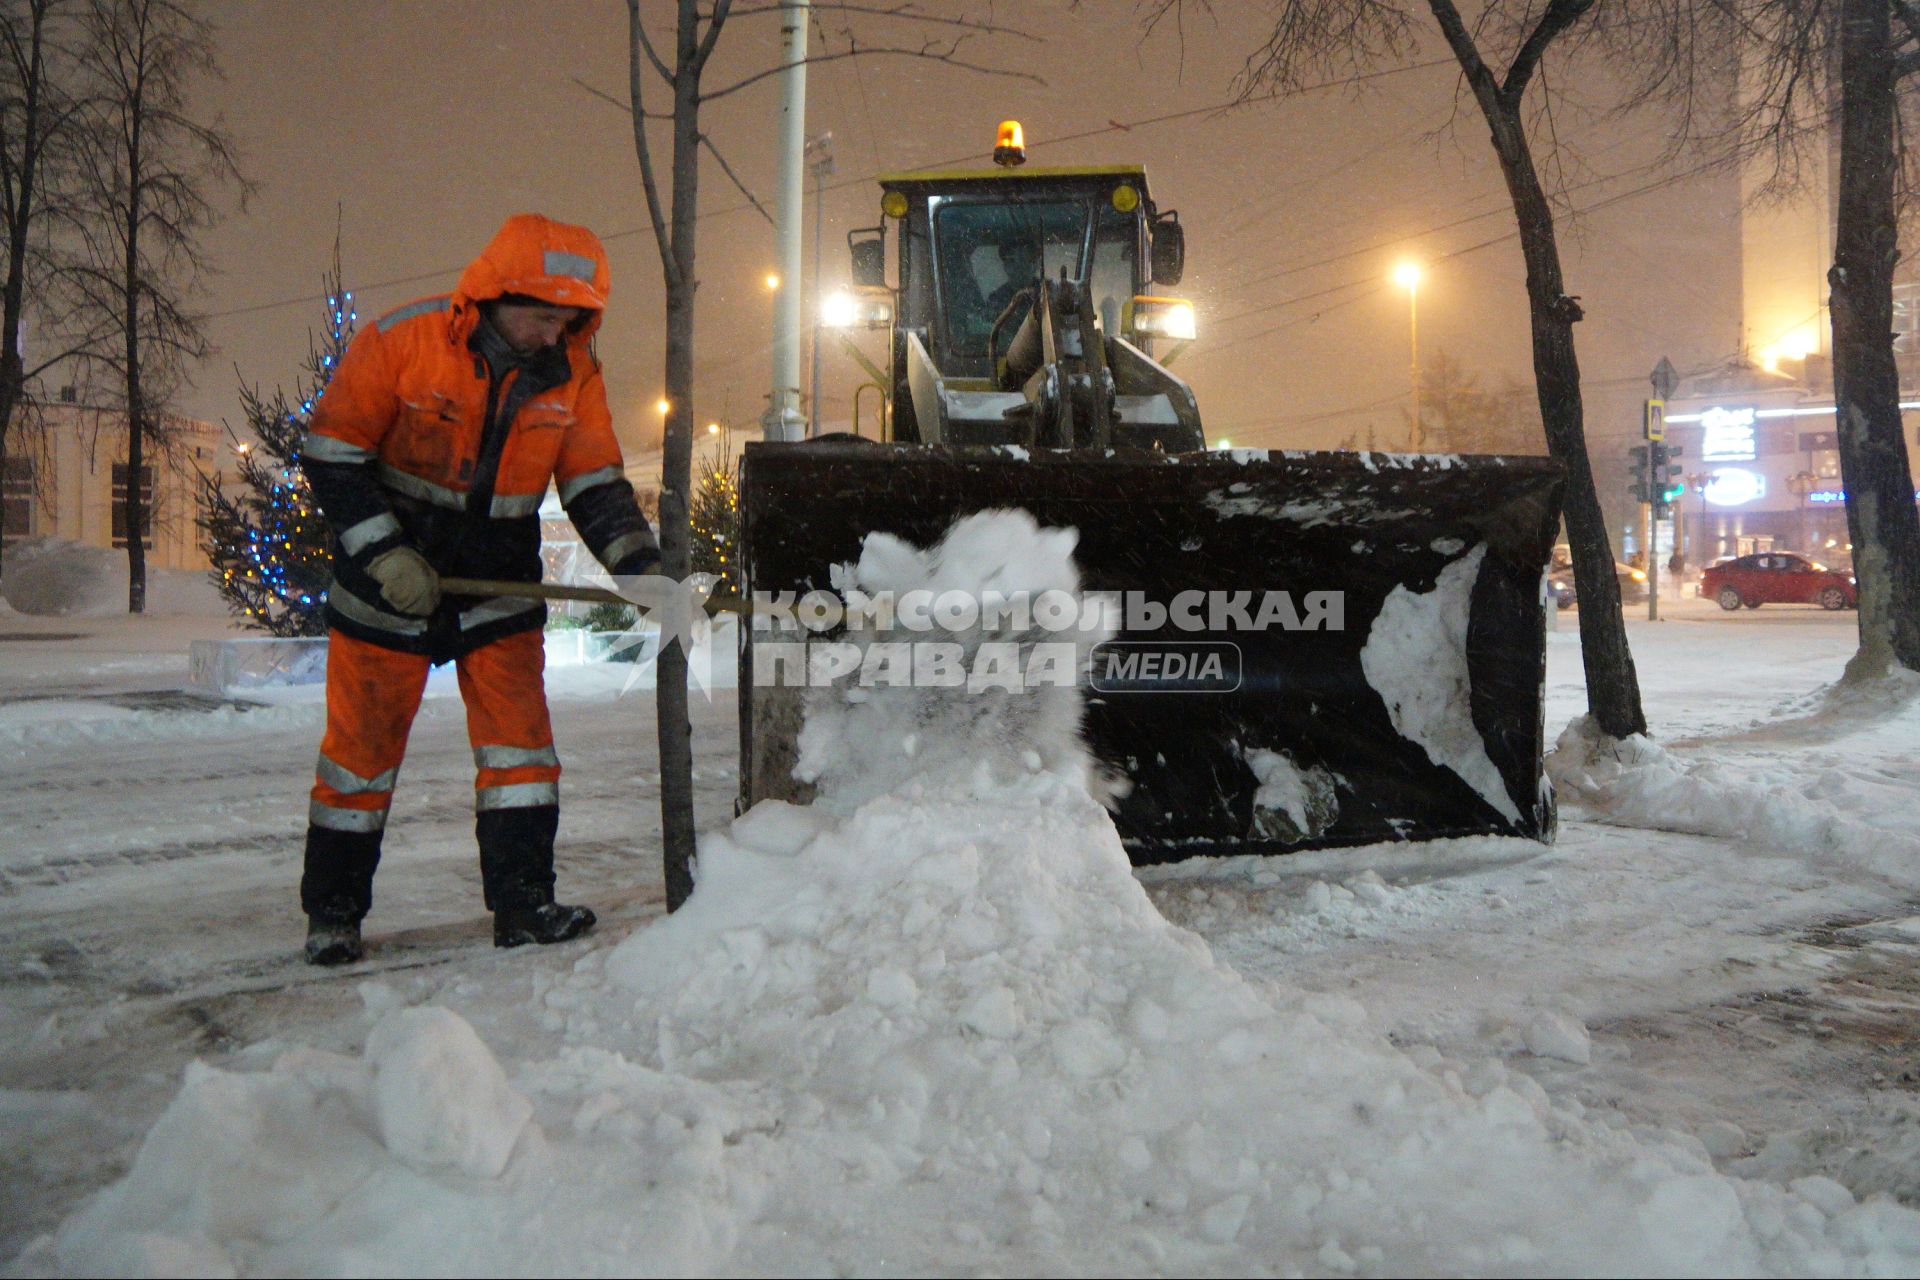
{"x":331,"y":942}
{"x":336,"y":891}
{"x":516,"y":868}
{"x":517,"y":926}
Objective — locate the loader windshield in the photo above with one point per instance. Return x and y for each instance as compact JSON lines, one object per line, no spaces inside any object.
{"x":987,"y":253}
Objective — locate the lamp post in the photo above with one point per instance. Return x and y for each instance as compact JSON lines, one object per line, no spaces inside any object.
{"x":783,"y":419}
{"x":819,"y":155}
{"x":1407,"y":276}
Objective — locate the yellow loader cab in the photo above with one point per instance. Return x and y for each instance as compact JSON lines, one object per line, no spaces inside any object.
{"x":1028,"y":309}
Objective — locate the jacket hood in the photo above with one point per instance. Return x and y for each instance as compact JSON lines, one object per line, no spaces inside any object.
{"x":540,"y":258}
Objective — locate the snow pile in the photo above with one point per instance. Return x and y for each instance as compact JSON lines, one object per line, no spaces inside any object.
{"x":1804,"y":809}
{"x":1291,"y":803}
{"x":864,"y":739}
{"x":1416,"y":659}
{"x":242,"y":1165}
{"x":438,"y":1095}
{"x":71,"y":579}
{"x":1254,"y":907}
{"x":52,"y":723}
{"x":939,"y":1029}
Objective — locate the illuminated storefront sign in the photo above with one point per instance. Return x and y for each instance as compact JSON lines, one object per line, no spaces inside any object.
{"x":1827,"y":495}
{"x":1727,"y":436}
{"x":1734,"y":487}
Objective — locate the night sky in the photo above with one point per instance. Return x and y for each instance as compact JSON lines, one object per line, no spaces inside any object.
{"x":426,"y":122}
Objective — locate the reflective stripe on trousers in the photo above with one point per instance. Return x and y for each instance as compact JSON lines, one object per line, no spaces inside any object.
{"x":373,"y":694}
{"x":514,"y":762}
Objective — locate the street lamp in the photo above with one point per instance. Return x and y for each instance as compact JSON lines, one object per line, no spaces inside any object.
{"x":1407,"y":276}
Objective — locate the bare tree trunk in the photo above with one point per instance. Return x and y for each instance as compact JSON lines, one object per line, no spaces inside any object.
{"x":1613,"y":685}
{"x":676,"y":237}
{"x":136,"y":407}
{"x":13,"y":370}
{"x":12,"y":376}
{"x":23,"y":179}
{"x":1881,"y":519}
{"x":677,"y":830}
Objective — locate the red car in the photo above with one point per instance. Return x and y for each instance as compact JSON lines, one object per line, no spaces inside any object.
{"x":1778,"y":577}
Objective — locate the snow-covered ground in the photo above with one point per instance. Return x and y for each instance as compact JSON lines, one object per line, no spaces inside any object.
{"x":945,"y":1029}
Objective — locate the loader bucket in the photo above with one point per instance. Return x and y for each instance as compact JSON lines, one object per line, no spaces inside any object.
{"x":1364,"y":660}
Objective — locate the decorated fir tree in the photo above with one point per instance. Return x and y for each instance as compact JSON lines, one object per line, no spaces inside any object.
{"x":715,"y":517}
{"x":271,"y":549}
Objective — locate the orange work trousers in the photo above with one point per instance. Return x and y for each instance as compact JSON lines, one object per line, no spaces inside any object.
{"x":373,"y":694}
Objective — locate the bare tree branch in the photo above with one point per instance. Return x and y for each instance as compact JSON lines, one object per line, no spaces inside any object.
{"x":715,"y":21}
{"x":1479,"y":77}
{"x":645,"y":42}
{"x":1560,"y":15}
{"x":622,"y":107}
{"x":1909,"y":17}
{"x":638,"y":38}
{"x":726,"y":168}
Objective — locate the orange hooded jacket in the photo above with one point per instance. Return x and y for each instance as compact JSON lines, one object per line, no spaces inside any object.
{"x":432,"y":433}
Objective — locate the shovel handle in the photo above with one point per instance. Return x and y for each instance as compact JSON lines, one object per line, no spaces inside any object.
{"x":555,"y":591}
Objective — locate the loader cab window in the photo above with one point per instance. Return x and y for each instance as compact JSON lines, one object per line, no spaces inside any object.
{"x":987,"y":253}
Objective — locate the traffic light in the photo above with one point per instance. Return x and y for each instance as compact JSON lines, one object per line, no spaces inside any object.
{"x":1637,"y":463}
{"x":1667,"y":485}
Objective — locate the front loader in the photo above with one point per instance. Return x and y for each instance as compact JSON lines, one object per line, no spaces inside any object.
{"x":1314,"y":649}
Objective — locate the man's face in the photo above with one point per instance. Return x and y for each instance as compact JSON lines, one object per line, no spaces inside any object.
{"x":527,"y":327}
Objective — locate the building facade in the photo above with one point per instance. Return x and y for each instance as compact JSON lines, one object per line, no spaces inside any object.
{"x":69,"y":479}
{"x":1757,"y":443}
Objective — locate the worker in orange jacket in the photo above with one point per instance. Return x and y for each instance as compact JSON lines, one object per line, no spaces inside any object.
{"x":430,"y":454}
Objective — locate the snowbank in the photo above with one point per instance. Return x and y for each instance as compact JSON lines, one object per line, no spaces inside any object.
{"x":54,"y":576}
{"x":1794,"y":803}
{"x":939,"y":1029}
{"x":944,"y":1031}
{"x":60,"y":722}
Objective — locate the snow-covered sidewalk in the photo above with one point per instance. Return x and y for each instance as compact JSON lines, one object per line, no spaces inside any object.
{"x":947,"y":1029}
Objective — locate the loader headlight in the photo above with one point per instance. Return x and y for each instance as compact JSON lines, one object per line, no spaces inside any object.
{"x":857,"y":309}
{"x":1126,"y":197}
{"x":1162,"y":318}
{"x":894,"y":204}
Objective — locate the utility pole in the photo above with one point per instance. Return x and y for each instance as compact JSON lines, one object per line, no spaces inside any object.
{"x":819,"y":158}
{"x":783,"y":419}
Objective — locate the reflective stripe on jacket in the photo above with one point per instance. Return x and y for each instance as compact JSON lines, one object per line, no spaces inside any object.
{"x":431,"y":434}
